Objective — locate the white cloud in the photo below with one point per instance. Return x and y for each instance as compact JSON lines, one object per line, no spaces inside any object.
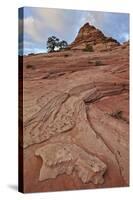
{"x":32,"y":27}
{"x":51,"y":18}
{"x":95,"y":18}
{"x":40,"y":23}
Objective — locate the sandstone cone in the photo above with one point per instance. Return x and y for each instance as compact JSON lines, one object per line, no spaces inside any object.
{"x":92,"y":36}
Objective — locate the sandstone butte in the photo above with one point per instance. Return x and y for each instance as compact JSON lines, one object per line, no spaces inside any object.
{"x":76,"y":115}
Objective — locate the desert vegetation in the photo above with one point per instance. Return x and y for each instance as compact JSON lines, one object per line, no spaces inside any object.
{"x":88,"y":48}
{"x":54,"y":43}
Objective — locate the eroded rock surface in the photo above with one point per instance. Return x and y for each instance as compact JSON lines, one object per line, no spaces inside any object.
{"x":42,"y":125}
{"x":76,"y":116}
{"x":62,"y":158}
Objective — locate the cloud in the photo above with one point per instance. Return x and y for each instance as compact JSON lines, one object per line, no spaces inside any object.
{"x":52,"y":18}
{"x":40,"y":23}
{"x":63,"y":23}
{"x":114,"y":25}
{"x":95,"y":18}
{"x":32,"y":27}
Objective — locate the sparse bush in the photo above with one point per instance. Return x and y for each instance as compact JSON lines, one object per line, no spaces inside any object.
{"x":90,"y":62}
{"x":98,"y":63}
{"x":117,"y":114}
{"x":66,"y":55}
{"x":30,"y":66}
{"x":88,"y":48}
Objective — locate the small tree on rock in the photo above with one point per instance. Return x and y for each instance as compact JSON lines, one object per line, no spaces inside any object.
{"x":52,"y":42}
{"x":62,"y":44}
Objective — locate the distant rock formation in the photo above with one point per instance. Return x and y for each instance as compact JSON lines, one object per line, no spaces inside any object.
{"x":89,"y":35}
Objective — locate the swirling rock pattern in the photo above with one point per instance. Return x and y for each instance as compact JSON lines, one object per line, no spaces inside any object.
{"x":76,"y":124}
{"x":60,"y":115}
{"x":57,"y":115}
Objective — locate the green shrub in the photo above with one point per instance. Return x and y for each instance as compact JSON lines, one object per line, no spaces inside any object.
{"x":91,"y":62}
{"x":66,"y":55}
{"x":88,"y":48}
{"x":98,"y":63}
{"x":30,"y":66}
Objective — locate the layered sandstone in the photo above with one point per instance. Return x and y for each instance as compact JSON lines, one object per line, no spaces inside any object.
{"x":76,"y":117}
{"x":89,"y":35}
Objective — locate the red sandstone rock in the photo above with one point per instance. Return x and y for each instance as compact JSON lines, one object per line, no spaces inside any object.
{"x":75,"y":116}
{"x":94,"y":37}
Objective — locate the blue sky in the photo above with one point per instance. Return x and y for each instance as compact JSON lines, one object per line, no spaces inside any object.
{"x":40,"y":23}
